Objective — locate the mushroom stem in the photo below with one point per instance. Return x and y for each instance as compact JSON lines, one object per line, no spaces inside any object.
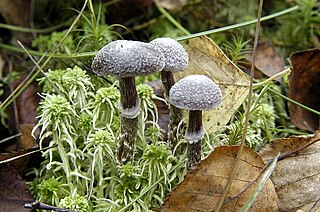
{"x":127,"y":138}
{"x":193,"y":153}
{"x":195,"y":129}
{"x":193,"y":136}
{"x":129,"y":100}
{"x":129,"y":108}
{"x":167,"y":81}
{"x":175,"y":114}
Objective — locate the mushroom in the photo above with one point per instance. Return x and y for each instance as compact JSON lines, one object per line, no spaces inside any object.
{"x":125,"y":60}
{"x":195,"y":93}
{"x":176,"y":59}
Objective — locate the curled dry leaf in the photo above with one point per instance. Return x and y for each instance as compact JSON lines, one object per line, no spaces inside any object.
{"x":296,"y":178}
{"x":206,"y":58}
{"x":204,"y":184}
{"x":304,"y":87}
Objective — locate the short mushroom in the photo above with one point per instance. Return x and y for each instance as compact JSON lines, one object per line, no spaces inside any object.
{"x":176,"y":59}
{"x":125,"y":60}
{"x":195,"y":93}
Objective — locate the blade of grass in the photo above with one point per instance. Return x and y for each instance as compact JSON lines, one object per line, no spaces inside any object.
{"x":45,"y":30}
{"x":294,"y":102}
{"x":260,"y":185}
{"x":238,"y":25}
{"x":246,"y":122}
{"x":39,"y":68}
{"x":51,"y":55}
{"x":172,"y":20}
{"x":90,"y":54}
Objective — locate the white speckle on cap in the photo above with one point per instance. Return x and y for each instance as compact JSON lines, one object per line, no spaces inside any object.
{"x":195,"y":92}
{"x":176,"y":58}
{"x":124,"y":58}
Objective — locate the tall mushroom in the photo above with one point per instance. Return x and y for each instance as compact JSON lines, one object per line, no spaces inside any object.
{"x":176,"y":59}
{"x":125,"y":60}
{"x":195,"y":93}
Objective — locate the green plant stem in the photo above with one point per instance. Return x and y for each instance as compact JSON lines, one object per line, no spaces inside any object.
{"x":274,"y":77}
{"x":51,"y":55}
{"x":247,"y":115}
{"x":45,"y":30}
{"x":234,"y":26}
{"x":295,"y":102}
{"x":172,"y":20}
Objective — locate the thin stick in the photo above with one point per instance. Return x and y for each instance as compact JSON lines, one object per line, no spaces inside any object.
{"x":246,"y":123}
{"x":9,"y":138}
{"x":37,"y":65}
{"x":26,"y":154}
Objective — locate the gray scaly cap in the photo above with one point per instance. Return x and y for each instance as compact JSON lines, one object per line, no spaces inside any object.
{"x":195,"y":92}
{"x":124,"y":58}
{"x":176,"y":57}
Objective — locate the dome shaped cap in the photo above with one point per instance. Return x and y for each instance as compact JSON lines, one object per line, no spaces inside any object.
{"x":176,"y":57}
{"x":195,"y":92}
{"x":124,"y":58}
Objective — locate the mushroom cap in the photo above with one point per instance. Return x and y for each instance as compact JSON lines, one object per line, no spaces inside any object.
{"x":195,"y":92}
{"x":124,"y":58}
{"x":176,"y":57}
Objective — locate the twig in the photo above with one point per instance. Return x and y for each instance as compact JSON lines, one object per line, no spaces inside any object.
{"x":246,"y":123}
{"x":9,"y":138}
{"x":26,"y":154}
{"x":37,"y":65}
{"x":36,"y":205}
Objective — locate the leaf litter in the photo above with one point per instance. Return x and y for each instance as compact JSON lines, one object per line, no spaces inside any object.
{"x":296,"y":178}
{"x":203,"y":185}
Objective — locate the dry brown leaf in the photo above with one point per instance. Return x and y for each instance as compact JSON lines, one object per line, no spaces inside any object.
{"x":296,"y":178}
{"x":268,"y":59}
{"x":17,"y":12}
{"x":203,"y":185}
{"x":206,"y":58}
{"x":304,"y":87}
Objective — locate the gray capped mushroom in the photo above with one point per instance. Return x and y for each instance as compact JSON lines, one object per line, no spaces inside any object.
{"x":125,"y":60}
{"x":195,"y":93}
{"x":176,"y":59}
